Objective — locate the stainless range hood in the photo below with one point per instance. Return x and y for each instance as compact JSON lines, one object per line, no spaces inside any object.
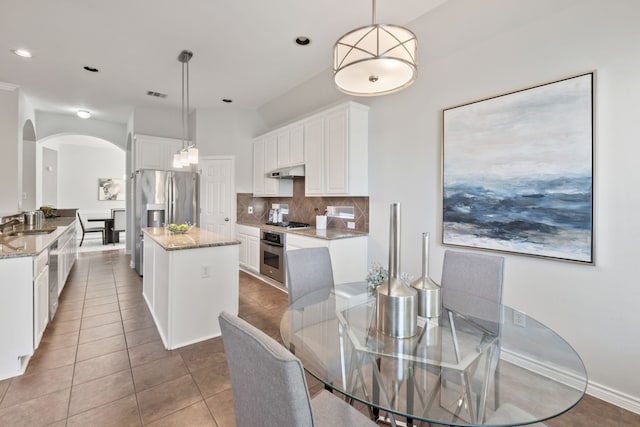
{"x":288,"y":172}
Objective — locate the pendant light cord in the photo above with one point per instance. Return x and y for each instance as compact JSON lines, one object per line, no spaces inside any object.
{"x":183,"y":131}
{"x":373,"y":13}
{"x":186,"y":113}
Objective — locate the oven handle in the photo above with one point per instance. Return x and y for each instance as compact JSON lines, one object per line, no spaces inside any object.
{"x":266,"y":242}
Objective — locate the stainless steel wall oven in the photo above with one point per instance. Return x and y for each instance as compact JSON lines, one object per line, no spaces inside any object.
{"x":272,"y":245}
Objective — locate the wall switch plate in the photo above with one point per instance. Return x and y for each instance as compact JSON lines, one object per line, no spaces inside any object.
{"x":351,"y":225}
{"x":519,"y":318}
{"x":250,"y":209}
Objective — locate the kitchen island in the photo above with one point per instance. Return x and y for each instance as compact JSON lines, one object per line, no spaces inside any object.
{"x":188,"y":279}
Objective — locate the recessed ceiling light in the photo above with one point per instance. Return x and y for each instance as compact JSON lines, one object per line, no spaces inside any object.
{"x":83,"y":114}
{"x":22,"y":52}
{"x":91,"y":69}
{"x":302,"y":40}
{"x":227,"y":100}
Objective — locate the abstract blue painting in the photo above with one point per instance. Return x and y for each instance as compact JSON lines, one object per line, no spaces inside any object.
{"x":518,"y":172}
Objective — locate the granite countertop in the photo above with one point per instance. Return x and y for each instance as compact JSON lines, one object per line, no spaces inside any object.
{"x":195,"y":238}
{"x":30,"y":245}
{"x":327,"y":234}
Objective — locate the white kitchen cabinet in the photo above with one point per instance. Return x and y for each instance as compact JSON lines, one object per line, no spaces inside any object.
{"x":188,"y":289}
{"x":258,"y":168}
{"x":154,"y":152}
{"x":348,"y":255}
{"x":67,"y":255}
{"x":291,"y":146}
{"x":249,"y":251}
{"x":265,"y":159}
{"x":271,"y":186}
{"x":336,"y":152}
{"x":333,"y":146}
{"x":16,"y":315}
{"x":314,"y":157}
{"x":40,"y":296}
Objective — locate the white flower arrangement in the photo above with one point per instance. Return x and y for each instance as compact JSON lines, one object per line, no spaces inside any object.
{"x":378,"y":274}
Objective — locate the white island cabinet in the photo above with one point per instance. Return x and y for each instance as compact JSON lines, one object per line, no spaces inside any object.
{"x":188,"y":280}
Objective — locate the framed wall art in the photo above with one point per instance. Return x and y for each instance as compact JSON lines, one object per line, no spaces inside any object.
{"x":111,"y":189}
{"x":518,"y":172}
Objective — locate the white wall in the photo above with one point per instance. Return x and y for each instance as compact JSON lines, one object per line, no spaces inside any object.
{"x":28,"y":174}
{"x":49,"y":177}
{"x":474,"y":50}
{"x":9,"y":146}
{"x":229,"y":131}
{"x":165,"y":122}
{"x":79,"y":169}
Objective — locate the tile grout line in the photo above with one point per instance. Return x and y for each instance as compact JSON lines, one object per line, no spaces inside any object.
{"x":75,"y":356}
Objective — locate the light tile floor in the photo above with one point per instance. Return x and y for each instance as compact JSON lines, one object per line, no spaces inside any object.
{"x":102,"y":363}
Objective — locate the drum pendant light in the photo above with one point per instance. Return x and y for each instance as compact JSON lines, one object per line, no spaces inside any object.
{"x":375,"y":60}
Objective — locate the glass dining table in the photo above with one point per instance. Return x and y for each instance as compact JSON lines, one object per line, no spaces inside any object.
{"x":455,"y":371}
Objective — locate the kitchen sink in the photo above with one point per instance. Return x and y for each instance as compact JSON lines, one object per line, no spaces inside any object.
{"x":38,"y":232}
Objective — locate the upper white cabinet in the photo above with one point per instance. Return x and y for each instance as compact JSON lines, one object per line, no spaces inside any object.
{"x":336,"y":152}
{"x":154,"y":152}
{"x":265,"y":159}
{"x":291,"y":146}
{"x":333,"y":145}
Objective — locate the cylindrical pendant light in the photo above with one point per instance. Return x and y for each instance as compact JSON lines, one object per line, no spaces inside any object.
{"x":176,"y":161}
{"x":375,"y":60}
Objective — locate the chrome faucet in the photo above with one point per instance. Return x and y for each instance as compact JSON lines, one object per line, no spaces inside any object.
{"x":13,"y":223}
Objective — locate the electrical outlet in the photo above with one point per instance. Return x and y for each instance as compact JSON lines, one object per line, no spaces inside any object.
{"x":204,"y":271}
{"x":351,"y":225}
{"x":519,"y":318}
{"x":250,"y":209}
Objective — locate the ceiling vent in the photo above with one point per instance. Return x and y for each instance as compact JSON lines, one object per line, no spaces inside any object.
{"x":156,"y":94}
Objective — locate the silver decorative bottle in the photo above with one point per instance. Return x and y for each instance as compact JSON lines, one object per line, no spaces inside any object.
{"x":396,"y":303}
{"x":429,"y":296}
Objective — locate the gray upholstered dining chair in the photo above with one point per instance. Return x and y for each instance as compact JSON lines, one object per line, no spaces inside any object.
{"x":309,"y":275}
{"x":269,"y":386}
{"x":309,"y":281}
{"x":472,"y":289}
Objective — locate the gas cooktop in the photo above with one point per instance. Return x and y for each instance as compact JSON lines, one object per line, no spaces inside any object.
{"x":289,"y":225}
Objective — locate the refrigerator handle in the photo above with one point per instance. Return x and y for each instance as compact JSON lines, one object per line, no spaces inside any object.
{"x":170,"y":219}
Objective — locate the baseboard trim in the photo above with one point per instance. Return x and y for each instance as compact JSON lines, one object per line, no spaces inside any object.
{"x":599,"y":391}
{"x":615,"y":397}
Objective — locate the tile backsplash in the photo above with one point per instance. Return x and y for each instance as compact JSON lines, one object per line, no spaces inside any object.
{"x":304,"y":209}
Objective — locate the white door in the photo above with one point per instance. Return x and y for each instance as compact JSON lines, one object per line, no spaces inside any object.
{"x":217,"y":202}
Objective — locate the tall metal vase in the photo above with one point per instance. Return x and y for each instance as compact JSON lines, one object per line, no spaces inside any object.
{"x":429,"y":296}
{"x":396,"y":303}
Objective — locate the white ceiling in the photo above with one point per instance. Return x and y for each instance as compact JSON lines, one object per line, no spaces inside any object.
{"x":243,"y":49}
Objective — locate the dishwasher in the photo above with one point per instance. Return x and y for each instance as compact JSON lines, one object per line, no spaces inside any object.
{"x":53,"y":279}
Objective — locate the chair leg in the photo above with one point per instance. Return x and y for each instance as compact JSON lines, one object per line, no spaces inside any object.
{"x":82,"y":240}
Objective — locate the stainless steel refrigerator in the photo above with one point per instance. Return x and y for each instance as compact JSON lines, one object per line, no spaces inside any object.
{"x":163,"y":197}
